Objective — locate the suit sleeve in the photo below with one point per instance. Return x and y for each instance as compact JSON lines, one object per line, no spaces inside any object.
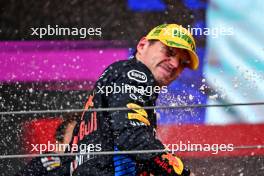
{"x":133,"y":129}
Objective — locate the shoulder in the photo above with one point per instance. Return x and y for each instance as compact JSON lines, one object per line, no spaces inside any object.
{"x":113,"y":69}
{"x":130,"y":70}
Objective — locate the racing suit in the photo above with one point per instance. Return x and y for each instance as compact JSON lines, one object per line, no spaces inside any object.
{"x":128,"y":84}
{"x":46,"y":166}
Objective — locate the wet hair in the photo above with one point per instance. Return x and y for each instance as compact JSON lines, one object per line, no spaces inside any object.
{"x":61,"y":129}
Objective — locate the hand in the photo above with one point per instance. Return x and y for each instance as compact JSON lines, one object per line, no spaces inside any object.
{"x":171,"y":165}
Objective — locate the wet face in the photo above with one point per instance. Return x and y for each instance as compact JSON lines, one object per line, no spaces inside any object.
{"x":165,"y":63}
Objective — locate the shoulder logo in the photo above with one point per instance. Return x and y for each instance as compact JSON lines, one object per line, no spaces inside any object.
{"x":137,"y":76}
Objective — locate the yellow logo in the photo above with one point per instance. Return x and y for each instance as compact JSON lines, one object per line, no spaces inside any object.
{"x":137,"y":109}
{"x":175,"y":162}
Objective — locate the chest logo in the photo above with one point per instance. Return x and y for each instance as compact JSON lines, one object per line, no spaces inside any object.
{"x":137,"y":76}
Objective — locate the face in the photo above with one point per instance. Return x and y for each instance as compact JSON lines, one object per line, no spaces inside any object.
{"x":68,"y":133}
{"x":165,"y":63}
{"x":67,"y":136}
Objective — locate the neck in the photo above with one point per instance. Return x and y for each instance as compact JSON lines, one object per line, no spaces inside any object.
{"x":137,"y":56}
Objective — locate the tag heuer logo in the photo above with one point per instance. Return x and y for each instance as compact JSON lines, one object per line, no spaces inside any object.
{"x":137,"y":76}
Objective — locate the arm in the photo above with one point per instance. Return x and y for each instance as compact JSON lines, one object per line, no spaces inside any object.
{"x":134,"y":129}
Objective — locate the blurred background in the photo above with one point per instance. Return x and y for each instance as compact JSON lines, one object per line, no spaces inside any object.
{"x":58,"y":72}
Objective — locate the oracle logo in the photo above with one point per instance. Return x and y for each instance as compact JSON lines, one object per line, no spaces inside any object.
{"x":137,"y":76}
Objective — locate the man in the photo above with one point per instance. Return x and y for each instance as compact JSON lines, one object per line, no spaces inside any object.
{"x":53,"y":165}
{"x":160,"y":58}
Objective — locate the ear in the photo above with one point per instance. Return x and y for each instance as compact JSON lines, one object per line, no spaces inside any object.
{"x":142,"y":45}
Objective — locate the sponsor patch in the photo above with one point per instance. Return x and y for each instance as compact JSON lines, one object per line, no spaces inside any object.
{"x":137,"y":76}
{"x":136,"y":98}
{"x":136,"y":107}
{"x":136,"y":116}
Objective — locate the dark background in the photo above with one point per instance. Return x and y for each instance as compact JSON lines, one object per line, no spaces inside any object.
{"x":118,"y":22}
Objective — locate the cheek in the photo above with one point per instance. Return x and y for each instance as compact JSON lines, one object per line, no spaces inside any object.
{"x":156,"y":60}
{"x":153,"y":62}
